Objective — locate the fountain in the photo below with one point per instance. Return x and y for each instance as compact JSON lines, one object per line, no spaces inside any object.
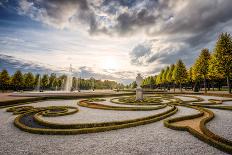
{"x":68,"y":83}
{"x":38,"y":84}
{"x":139,"y":90}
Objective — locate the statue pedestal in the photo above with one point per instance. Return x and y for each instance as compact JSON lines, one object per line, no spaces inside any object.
{"x":139,"y":94}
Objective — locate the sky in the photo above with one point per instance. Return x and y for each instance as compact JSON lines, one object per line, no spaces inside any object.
{"x":108,"y":39}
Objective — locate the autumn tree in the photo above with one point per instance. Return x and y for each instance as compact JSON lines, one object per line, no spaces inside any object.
{"x":17,"y":80}
{"x":190,"y":76}
{"x":4,"y":80}
{"x":29,"y":80}
{"x":201,"y":65}
{"x":165,"y":76}
{"x":180,"y":73}
{"x":223,"y":57}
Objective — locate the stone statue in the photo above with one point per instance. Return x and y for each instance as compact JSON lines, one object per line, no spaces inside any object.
{"x":139,"y":90}
{"x":139,"y":80}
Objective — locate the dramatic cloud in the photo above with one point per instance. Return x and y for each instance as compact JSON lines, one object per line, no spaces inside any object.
{"x":140,"y":53}
{"x":143,"y":35}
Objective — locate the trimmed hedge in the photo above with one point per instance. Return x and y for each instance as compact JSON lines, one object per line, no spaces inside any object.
{"x":85,"y":103}
{"x":207,"y":136}
{"x":89,"y":127}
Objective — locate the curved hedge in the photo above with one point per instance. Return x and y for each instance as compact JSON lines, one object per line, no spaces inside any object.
{"x":85,"y":103}
{"x":53,"y":128}
{"x":207,"y":136}
{"x":30,"y":119}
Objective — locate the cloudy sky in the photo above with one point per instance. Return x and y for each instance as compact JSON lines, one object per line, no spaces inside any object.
{"x":108,"y":39}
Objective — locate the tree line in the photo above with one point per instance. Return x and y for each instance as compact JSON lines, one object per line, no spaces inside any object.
{"x":29,"y":81}
{"x":210,"y":70}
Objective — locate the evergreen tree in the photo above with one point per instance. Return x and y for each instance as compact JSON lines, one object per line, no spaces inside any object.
{"x":17,"y":80}
{"x":201,"y":65}
{"x":180,"y":73}
{"x":4,"y":80}
{"x":223,"y":57}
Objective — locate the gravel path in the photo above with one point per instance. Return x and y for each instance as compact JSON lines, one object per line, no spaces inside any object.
{"x":222,"y":123}
{"x":146,"y":139}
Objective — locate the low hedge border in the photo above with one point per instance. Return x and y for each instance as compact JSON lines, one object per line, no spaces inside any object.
{"x":85,"y":103}
{"x":128,"y":101}
{"x":117,"y":125}
{"x":50,"y":111}
{"x":207,"y":136}
{"x":102,"y":124}
{"x":16,"y":102}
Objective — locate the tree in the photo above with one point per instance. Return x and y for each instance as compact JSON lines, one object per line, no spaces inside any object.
{"x":29,"y":80}
{"x":4,"y":80}
{"x":223,"y":57}
{"x":133,"y":85}
{"x":17,"y":80}
{"x":180,"y":73}
{"x":160,"y":79}
{"x":52,"y":80}
{"x":165,"y":75}
{"x":201,"y":65}
{"x":170,"y":73}
{"x":44,"y":81}
{"x":190,"y":76}
{"x":214,"y":74}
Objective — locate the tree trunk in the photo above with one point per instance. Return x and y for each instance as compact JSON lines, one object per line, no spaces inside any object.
{"x":174,"y":87}
{"x":205,"y":85}
{"x":228,"y":84}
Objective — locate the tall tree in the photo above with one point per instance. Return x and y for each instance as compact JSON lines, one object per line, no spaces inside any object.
{"x":190,"y":76}
{"x":214,"y":74}
{"x":170,"y":73}
{"x":223,"y":57}
{"x":165,"y":76}
{"x":44,"y":81}
{"x":17,"y":80}
{"x":29,"y":80}
{"x":52,"y":80}
{"x":201,"y":65}
{"x":37,"y":81}
{"x":4,"y":80}
{"x":180,"y":73}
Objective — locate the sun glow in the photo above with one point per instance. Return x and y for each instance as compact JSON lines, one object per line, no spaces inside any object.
{"x":109,"y":63}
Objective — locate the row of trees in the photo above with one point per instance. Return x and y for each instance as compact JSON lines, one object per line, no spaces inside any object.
{"x":209,"y":68}
{"x":28,"y":81}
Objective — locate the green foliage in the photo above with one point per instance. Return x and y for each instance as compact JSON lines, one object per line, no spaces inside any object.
{"x":29,"y":80}
{"x":52,"y":81}
{"x":180,"y":72}
{"x":17,"y":80}
{"x":159,"y":79}
{"x":4,"y":79}
{"x":190,"y":74}
{"x":222,"y":57}
{"x":201,"y":65}
{"x":36,"y":80}
{"x":223,"y":54}
{"x":45,"y":81}
{"x":149,"y":81}
{"x":170,"y":73}
{"x":165,"y":75}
